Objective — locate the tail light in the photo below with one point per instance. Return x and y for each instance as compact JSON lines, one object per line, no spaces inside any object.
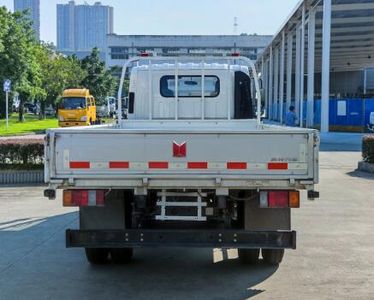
{"x":294,"y":199}
{"x":83,"y":198}
{"x":279,"y":199}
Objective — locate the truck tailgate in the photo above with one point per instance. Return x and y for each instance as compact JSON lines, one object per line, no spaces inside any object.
{"x":171,"y":157}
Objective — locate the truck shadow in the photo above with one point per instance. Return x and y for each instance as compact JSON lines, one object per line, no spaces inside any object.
{"x":189,"y":274}
{"x":33,"y":246}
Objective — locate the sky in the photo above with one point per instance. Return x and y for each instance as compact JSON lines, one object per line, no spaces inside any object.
{"x":180,"y":16}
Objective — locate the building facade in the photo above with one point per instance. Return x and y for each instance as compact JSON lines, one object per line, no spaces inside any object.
{"x":121,"y":47}
{"x":34,"y":7}
{"x":83,"y":27}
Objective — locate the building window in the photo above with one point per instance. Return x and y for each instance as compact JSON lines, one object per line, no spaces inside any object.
{"x":119,"y":56}
{"x":197,"y":51}
{"x":119,"y":53}
{"x":190,"y":86}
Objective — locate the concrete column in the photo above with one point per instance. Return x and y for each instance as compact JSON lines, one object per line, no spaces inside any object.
{"x":289,"y":69}
{"x":270,"y":111}
{"x":262,"y":78}
{"x":311,"y":58}
{"x":276,"y":84}
{"x":281,"y":81}
{"x":326,"y":43}
{"x":297,"y":72}
{"x":302,"y":66}
{"x":266,"y":84}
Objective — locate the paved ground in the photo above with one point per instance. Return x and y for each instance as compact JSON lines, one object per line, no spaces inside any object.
{"x":334,"y":259}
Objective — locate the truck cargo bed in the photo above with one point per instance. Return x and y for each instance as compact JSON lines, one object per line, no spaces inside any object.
{"x":227,"y":154}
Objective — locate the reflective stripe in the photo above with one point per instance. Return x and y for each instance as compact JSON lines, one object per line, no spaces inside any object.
{"x":237,"y":165}
{"x":216,"y":166}
{"x":158,"y":165}
{"x":138,"y":166}
{"x":119,"y":165}
{"x":99,"y":165}
{"x":278,"y":166}
{"x":178,"y":166}
{"x":197,"y":165}
{"x":79,"y":165}
{"x":188,"y":165}
{"x":259,"y":167}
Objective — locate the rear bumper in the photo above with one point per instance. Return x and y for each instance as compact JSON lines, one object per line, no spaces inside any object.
{"x":72,"y":124}
{"x":181,"y":238}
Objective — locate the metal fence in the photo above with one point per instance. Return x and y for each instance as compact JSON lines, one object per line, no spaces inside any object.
{"x":21,"y":177}
{"x":346,"y":114}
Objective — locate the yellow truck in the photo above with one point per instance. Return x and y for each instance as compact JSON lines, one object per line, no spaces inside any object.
{"x":77,"y":108}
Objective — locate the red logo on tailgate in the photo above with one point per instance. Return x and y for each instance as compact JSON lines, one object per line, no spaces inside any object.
{"x":179,"y":150}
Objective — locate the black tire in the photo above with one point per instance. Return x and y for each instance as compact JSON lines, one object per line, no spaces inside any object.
{"x":249,"y":256}
{"x":121,"y":255}
{"x":97,"y":256}
{"x":273,"y":256}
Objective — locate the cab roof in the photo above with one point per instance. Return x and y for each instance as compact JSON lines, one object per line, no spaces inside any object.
{"x":76,"y":93}
{"x":192,"y":66}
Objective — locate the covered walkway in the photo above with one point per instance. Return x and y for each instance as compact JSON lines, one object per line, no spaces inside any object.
{"x":322,"y":43}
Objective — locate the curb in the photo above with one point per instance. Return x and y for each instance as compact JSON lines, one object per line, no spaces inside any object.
{"x":365,"y":167}
{"x":21,"y":177}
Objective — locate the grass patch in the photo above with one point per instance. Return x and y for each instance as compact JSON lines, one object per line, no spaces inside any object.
{"x":32,"y":124}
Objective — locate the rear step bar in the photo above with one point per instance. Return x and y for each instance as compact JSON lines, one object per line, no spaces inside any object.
{"x":181,"y":238}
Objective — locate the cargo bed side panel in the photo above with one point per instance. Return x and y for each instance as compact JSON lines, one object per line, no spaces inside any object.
{"x":265,"y":155}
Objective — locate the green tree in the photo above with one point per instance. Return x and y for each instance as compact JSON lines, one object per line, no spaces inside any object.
{"x":59,"y":73}
{"x":31,"y":86}
{"x":17,"y":57}
{"x":99,"y":80}
{"x":40,"y":74}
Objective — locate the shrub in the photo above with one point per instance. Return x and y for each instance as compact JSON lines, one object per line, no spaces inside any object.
{"x":368,"y":148}
{"x":21,"y":154}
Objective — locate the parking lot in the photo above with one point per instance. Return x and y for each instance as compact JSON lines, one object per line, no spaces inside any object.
{"x":334,"y":259}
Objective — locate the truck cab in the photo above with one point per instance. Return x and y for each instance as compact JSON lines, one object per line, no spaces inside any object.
{"x":225,"y":92}
{"x":77,"y":108}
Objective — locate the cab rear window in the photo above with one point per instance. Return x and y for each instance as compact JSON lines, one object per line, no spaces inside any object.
{"x":189,"y":86}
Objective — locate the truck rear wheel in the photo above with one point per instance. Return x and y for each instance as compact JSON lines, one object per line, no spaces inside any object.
{"x":97,"y":256}
{"x":249,"y":256}
{"x":273,"y":256}
{"x":121,"y":255}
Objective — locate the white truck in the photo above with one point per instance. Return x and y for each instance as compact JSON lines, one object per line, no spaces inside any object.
{"x":192,"y":165}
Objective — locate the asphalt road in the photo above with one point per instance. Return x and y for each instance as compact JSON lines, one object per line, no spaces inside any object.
{"x":334,"y":259}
